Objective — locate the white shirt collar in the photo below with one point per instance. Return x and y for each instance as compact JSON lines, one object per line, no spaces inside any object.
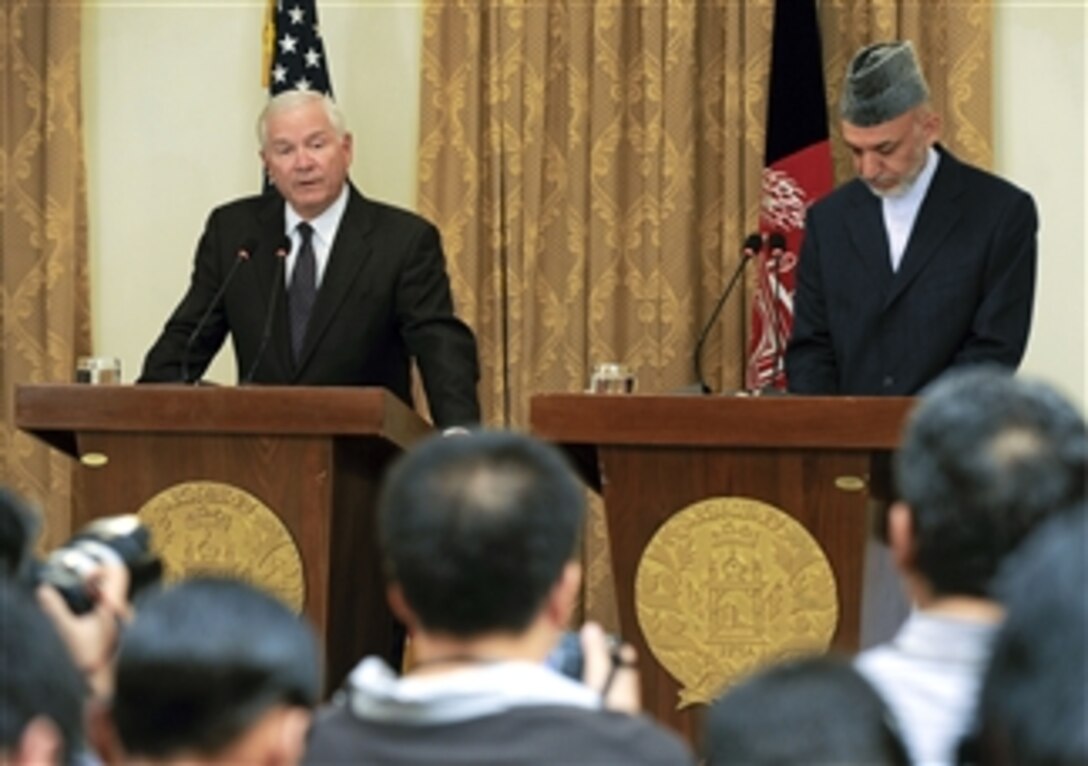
{"x":325,"y":227}
{"x":900,"y":212}
{"x":326,"y":224}
{"x":374,"y":692}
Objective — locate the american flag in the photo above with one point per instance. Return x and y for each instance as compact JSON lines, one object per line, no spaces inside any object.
{"x":294,"y":53}
{"x":797,"y":172}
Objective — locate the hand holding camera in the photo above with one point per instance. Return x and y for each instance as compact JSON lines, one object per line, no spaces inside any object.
{"x":92,"y":636}
{"x":603,"y":662}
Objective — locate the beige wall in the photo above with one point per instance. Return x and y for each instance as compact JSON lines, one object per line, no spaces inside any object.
{"x":1040,"y":73}
{"x":171,"y":90}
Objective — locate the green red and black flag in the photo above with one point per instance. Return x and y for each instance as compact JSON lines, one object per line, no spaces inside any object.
{"x":797,"y":171}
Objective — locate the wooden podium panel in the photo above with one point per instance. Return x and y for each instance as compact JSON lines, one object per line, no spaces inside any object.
{"x":820,"y":460}
{"x":314,"y":457}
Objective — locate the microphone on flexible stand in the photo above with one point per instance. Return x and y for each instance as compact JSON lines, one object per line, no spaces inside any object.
{"x":753,"y":243}
{"x":776,"y":244}
{"x":282,"y":249}
{"x":245,"y":252}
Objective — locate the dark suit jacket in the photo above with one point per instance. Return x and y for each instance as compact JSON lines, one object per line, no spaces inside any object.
{"x":384,"y":298}
{"x":963,"y":292}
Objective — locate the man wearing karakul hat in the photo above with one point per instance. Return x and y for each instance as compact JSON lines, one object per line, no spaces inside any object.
{"x":921,"y":263}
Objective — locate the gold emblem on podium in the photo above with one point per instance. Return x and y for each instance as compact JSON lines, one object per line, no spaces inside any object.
{"x":727,"y":585}
{"x":206,"y":527}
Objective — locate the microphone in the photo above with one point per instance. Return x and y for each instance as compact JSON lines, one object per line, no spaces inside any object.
{"x":753,"y":243}
{"x":282,"y":249}
{"x":776,"y":244}
{"x":244,"y":253}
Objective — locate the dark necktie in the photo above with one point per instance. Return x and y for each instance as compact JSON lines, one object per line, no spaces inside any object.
{"x":303,"y":289}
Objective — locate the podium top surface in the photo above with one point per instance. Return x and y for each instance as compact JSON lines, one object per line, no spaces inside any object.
{"x":56,"y":412}
{"x":839,"y":422}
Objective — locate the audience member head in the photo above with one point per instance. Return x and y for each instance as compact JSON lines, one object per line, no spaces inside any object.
{"x":887,"y":121}
{"x":812,"y":710}
{"x":18,"y":530}
{"x":477,"y":530}
{"x":41,"y":692}
{"x":1034,"y":701}
{"x":215,"y":670}
{"x":984,"y":457}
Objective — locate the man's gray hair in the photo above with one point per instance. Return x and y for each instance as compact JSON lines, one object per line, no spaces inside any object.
{"x":289,"y":100}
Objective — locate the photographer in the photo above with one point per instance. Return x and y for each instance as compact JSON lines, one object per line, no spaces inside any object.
{"x":480,"y":537}
{"x":93,"y":607}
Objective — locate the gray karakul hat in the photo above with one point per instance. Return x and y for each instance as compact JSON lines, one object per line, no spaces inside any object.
{"x":882,"y":82}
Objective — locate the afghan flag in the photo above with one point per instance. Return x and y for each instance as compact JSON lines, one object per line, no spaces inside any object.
{"x":797,"y":171}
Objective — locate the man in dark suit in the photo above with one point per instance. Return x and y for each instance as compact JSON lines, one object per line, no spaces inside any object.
{"x":920,"y":264}
{"x":318,"y":285}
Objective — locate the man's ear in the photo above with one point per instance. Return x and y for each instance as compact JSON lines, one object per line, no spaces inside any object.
{"x":931,"y":125}
{"x":901,"y":534}
{"x":399,"y":606}
{"x":40,"y":743}
{"x":564,"y":594}
{"x":294,"y":725}
{"x":102,"y":733}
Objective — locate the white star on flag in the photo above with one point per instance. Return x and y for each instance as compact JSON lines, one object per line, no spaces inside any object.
{"x":297,"y":15}
{"x":288,"y":43}
{"x":313,"y":58}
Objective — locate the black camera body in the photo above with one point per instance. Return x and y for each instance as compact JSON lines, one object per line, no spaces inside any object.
{"x":568,"y":658}
{"x":112,"y":539}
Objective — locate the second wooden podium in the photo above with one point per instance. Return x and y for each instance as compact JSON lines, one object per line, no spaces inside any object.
{"x":277,"y":484}
{"x":737,"y":526}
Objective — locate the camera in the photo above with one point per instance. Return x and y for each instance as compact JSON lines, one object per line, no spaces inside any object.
{"x":568,"y":659}
{"x":112,"y":539}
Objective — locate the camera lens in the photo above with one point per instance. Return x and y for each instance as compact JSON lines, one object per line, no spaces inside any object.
{"x":117,"y":539}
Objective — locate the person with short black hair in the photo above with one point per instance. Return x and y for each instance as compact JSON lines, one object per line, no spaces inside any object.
{"x":215,"y":670}
{"x":984,"y":459}
{"x":1033,"y":707}
{"x":808,"y":710}
{"x":41,"y":692}
{"x":480,"y":539}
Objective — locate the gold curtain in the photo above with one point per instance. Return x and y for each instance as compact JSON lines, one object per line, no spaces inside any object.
{"x":44,"y":310}
{"x":593,"y":167}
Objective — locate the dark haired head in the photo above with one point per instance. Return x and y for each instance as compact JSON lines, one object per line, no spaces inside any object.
{"x":985,"y":456}
{"x":1034,"y":702}
{"x":477,"y":529}
{"x":203,"y":661}
{"x":37,"y":676}
{"x":812,"y":710}
{"x":18,"y":531}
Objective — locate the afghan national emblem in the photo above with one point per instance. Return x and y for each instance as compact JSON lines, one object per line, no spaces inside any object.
{"x":727,"y":585}
{"x":205,"y":527}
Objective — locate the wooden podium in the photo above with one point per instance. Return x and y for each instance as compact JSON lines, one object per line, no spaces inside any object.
{"x":235,"y":466}
{"x":818,"y":461}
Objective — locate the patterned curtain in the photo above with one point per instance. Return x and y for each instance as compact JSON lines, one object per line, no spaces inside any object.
{"x":594,"y":167}
{"x":44,"y":311}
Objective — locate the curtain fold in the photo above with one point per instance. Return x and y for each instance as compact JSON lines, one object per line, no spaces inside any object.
{"x":44,"y":296}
